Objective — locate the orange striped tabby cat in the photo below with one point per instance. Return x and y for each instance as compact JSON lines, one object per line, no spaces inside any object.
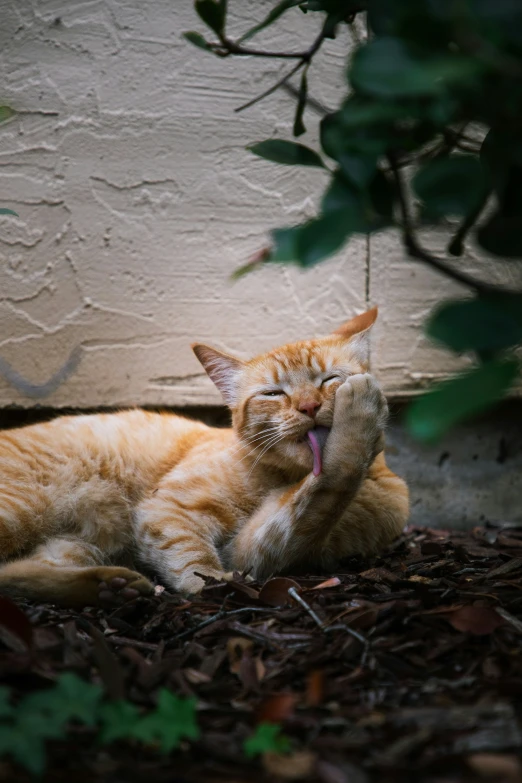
{"x":299,"y":481}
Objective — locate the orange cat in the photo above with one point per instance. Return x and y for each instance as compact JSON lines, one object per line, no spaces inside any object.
{"x":298,"y":482}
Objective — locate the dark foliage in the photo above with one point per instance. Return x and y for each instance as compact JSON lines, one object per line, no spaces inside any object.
{"x":430,"y":132}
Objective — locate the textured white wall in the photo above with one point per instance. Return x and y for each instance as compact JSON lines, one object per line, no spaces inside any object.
{"x":137,"y":199}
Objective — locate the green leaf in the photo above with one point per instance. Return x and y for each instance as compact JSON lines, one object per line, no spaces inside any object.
{"x":196,"y":39}
{"x":364,"y":211}
{"x":355,"y":149}
{"x":212,"y":14}
{"x":465,"y":395}
{"x":482,"y":324}
{"x":361,"y":111}
{"x":6,"y":113}
{"x":338,"y":139}
{"x":450,"y":186}
{"x":358,"y":167}
{"x":78,"y":698}
{"x":382,"y":16}
{"x":173,"y":719}
{"x":288,"y":152}
{"x":5,"y":211}
{"x":119,"y":720}
{"x":501,"y":236}
{"x":39,"y":723}
{"x":6,"y":708}
{"x":6,"y":739}
{"x":267,"y":738}
{"x":387,"y":68}
{"x":71,"y":698}
{"x":299,"y":127}
{"x":342,"y":194}
{"x":271,"y":17}
{"x":322,"y":237}
{"x":29,"y":751}
{"x":284,"y":245}
{"x":313,"y":241}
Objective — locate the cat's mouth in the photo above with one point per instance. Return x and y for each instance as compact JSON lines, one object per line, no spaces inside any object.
{"x":316,"y":439}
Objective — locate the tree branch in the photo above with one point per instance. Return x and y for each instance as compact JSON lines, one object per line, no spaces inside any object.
{"x":305,"y":58}
{"x":271,"y":89}
{"x":415,"y":250}
{"x":456,"y":245}
{"x":311,"y":102}
{"x":227,"y":47}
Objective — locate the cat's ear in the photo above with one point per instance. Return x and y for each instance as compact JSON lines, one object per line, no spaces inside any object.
{"x":356,"y":332}
{"x":222,"y":369}
{"x":361,"y":323}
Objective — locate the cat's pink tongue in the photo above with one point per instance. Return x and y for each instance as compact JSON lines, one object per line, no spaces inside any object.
{"x":316,"y":440}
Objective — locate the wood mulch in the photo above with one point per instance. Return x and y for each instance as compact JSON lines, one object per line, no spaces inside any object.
{"x":405,"y":668}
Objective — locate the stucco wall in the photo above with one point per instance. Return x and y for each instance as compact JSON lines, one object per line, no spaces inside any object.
{"x":137,"y":199}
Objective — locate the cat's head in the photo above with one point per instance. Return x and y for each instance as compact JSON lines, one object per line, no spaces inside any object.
{"x":278,"y":397}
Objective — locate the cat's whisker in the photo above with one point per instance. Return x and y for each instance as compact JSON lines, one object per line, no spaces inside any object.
{"x":257,"y":446}
{"x":247,"y":441}
{"x":269,"y":443}
{"x":267,"y":447}
{"x":265,"y":440}
{"x":270,"y":429}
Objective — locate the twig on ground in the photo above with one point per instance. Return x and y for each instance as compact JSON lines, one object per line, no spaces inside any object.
{"x":315,"y":617}
{"x":134,"y":643}
{"x":337,"y":627}
{"x":509,"y":618}
{"x":220,"y":616}
{"x":260,"y":638}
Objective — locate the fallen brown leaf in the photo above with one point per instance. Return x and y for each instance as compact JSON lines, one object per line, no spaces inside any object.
{"x":314,"y":688}
{"x":503,"y":767}
{"x":332,"y":582}
{"x":276,"y":708}
{"x":275,"y":591}
{"x":478,"y":620}
{"x":292,"y":766}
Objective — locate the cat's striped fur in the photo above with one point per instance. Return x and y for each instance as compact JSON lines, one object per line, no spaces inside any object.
{"x":82,"y":495}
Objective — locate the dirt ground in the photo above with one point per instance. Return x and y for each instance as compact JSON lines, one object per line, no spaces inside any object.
{"x":405,"y":668}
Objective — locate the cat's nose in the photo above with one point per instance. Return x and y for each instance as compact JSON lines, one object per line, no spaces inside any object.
{"x":310,"y":407}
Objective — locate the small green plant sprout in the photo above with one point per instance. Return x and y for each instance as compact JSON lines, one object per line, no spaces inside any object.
{"x":173,"y":720}
{"x":38,"y":717}
{"x":25,"y":727}
{"x":267,"y":738}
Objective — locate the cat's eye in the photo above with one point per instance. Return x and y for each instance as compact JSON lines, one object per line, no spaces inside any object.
{"x":273,"y":393}
{"x":330,"y":378}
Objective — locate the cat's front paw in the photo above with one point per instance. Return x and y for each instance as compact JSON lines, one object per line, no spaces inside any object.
{"x":360,"y":403}
{"x":360,"y":415}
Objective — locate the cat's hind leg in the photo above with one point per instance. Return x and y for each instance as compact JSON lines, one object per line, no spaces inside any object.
{"x":70,"y":573}
{"x":177,"y":546}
